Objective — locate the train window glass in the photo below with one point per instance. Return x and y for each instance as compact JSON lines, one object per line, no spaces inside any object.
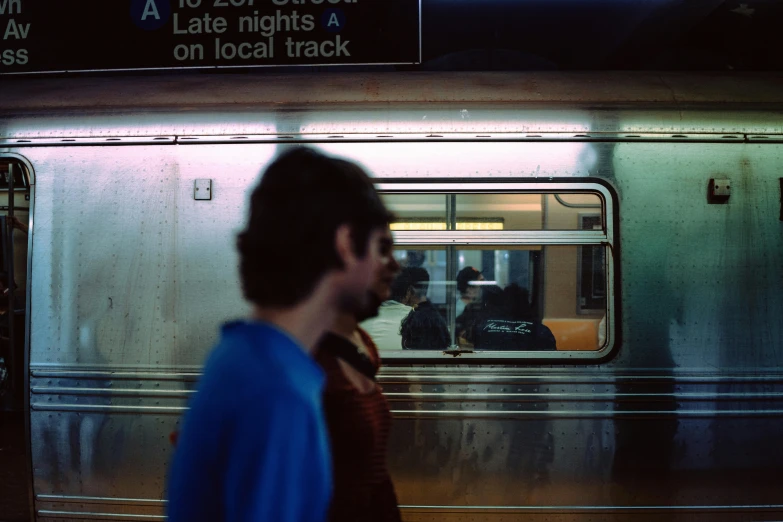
{"x":417,"y":211}
{"x":564,"y":211}
{"x":422,"y":284}
{"x":591,"y":283}
{"x":14,"y":220}
{"x":525,"y":211}
{"x":497,"y":298}
{"x":499,"y":211}
{"x":8,"y":165}
{"x":518,"y":273}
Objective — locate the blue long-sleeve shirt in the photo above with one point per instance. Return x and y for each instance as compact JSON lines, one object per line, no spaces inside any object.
{"x":254,"y":445}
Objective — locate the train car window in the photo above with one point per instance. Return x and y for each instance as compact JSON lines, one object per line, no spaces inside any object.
{"x":21,"y":181}
{"x":418,"y":211}
{"x":522,"y":211}
{"x":16,"y":212}
{"x":14,"y":220}
{"x":491,"y":274}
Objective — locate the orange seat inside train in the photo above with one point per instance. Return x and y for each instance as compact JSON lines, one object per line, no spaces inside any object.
{"x":574,"y":334}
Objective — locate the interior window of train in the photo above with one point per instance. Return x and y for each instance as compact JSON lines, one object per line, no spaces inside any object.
{"x":15,"y":214}
{"x":14,"y":219}
{"x":499,"y":274}
{"x":493,"y":211}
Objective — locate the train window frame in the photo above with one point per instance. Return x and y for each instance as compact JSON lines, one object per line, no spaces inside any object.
{"x":606,"y":237}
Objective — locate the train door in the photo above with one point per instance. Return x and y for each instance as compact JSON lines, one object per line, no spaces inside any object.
{"x":14,"y":230}
{"x":15,"y":202}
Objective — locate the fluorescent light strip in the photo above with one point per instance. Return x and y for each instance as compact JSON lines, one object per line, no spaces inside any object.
{"x":467,"y":225}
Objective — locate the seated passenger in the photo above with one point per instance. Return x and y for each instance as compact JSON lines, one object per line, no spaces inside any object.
{"x":385,"y":327}
{"x":423,"y":328}
{"x":508,"y":323}
{"x":491,"y":304}
{"x":468,"y":293}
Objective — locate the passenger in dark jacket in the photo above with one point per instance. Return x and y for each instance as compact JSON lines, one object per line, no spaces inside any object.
{"x":508,"y":322}
{"x":424,"y":328}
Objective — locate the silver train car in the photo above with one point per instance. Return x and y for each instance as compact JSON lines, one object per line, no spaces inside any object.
{"x":642,"y":212}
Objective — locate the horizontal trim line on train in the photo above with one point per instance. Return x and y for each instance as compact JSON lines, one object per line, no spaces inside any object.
{"x":86,"y":515}
{"x":163,"y":502}
{"x":456,"y":375}
{"x":447,"y":397}
{"x":457,"y":509}
{"x":596,"y":509}
{"x":100,"y":500}
{"x":700,"y":137}
{"x":495,"y":414}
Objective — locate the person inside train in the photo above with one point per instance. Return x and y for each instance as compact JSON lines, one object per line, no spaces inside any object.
{"x":16,"y":223}
{"x":254,"y":444}
{"x":469,"y":292}
{"x":508,"y":322}
{"x":357,"y":413}
{"x":475,"y":313}
{"x":385,"y":327}
{"x":423,"y":328}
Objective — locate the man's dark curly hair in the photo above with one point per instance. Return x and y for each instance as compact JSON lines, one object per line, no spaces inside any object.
{"x":411,"y":276}
{"x":465,"y":276}
{"x":301,"y":201}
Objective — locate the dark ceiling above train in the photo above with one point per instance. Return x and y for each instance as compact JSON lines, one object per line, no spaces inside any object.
{"x":602,"y":34}
{"x":372,"y":35}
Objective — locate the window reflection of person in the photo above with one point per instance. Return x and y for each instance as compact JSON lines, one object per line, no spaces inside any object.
{"x":424,"y":328}
{"x":468,"y":293}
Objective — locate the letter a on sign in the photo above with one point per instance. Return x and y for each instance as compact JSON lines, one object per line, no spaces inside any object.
{"x":150,"y":10}
{"x":333,"y":20}
{"x":149,"y":15}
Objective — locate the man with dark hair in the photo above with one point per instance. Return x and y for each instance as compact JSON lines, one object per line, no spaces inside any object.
{"x":423,"y":328}
{"x":468,"y":293}
{"x":384,"y":328}
{"x":254,"y":446}
{"x":408,"y":290}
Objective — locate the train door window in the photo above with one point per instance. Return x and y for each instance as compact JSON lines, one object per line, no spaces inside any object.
{"x":499,"y":271}
{"x":14,"y":219}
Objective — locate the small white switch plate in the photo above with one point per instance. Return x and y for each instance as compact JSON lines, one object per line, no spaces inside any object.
{"x":721,"y":187}
{"x":719,"y":191}
{"x":202,"y":189}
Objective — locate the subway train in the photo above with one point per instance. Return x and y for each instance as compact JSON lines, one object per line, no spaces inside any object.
{"x":640,"y":212}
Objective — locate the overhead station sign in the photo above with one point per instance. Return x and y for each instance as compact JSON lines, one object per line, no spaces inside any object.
{"x":87,"y":35}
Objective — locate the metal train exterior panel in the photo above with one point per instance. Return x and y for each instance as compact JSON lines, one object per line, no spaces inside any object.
{"x":130,"y":277}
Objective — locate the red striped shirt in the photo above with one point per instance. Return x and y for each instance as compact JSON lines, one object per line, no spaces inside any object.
{"x":359,"y":426}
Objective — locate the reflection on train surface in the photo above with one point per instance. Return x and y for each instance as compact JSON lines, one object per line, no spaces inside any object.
{"x":581,"y":330}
